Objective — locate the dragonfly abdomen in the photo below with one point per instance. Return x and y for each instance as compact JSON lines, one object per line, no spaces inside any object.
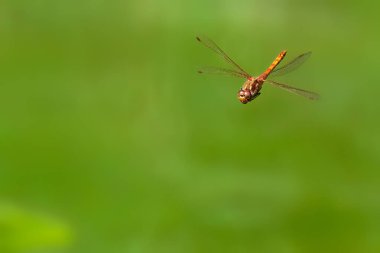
{"x":274,"y":64}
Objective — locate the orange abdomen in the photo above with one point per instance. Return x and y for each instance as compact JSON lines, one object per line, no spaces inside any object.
{"x":274,"y":64}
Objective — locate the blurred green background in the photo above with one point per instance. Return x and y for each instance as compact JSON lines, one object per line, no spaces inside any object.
{"x":111,"y":142}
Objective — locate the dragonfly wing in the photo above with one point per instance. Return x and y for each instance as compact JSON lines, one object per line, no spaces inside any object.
{"x":292,"y":65}
{"x":307,"y":94}
{"x":221,"y":71}
{"x":214,"y":47}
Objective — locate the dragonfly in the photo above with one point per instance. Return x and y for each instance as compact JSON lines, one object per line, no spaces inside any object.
{"x":252,"y":86}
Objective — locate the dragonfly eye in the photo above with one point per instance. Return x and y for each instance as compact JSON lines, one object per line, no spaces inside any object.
{"x":247,"y":94}
{"x":244,"y":96}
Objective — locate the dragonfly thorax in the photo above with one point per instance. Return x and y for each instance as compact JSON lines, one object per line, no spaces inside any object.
{"x":250,"y":90}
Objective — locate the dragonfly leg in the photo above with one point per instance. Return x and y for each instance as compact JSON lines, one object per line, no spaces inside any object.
{"x":255,"y":96}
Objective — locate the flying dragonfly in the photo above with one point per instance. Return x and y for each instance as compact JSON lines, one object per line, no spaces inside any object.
{"x":252,"y":86}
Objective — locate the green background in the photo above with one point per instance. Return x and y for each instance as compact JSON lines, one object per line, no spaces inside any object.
{"x":111,"y":142}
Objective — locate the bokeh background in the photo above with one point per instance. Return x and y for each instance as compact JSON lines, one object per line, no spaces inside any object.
{"x":111,"y":142}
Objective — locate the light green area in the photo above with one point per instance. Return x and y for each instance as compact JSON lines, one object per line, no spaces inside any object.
{"x":23,"y":231}
{"x":107,"y":129}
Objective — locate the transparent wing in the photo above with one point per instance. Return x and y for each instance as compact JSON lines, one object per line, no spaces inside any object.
{"x":222,"y":71}
{"x":214,"y":47}
{"x":292,"y":65}
{"x":307,"y":94}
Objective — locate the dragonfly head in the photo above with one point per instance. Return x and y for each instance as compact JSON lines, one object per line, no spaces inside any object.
{"x":245,"y":95}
